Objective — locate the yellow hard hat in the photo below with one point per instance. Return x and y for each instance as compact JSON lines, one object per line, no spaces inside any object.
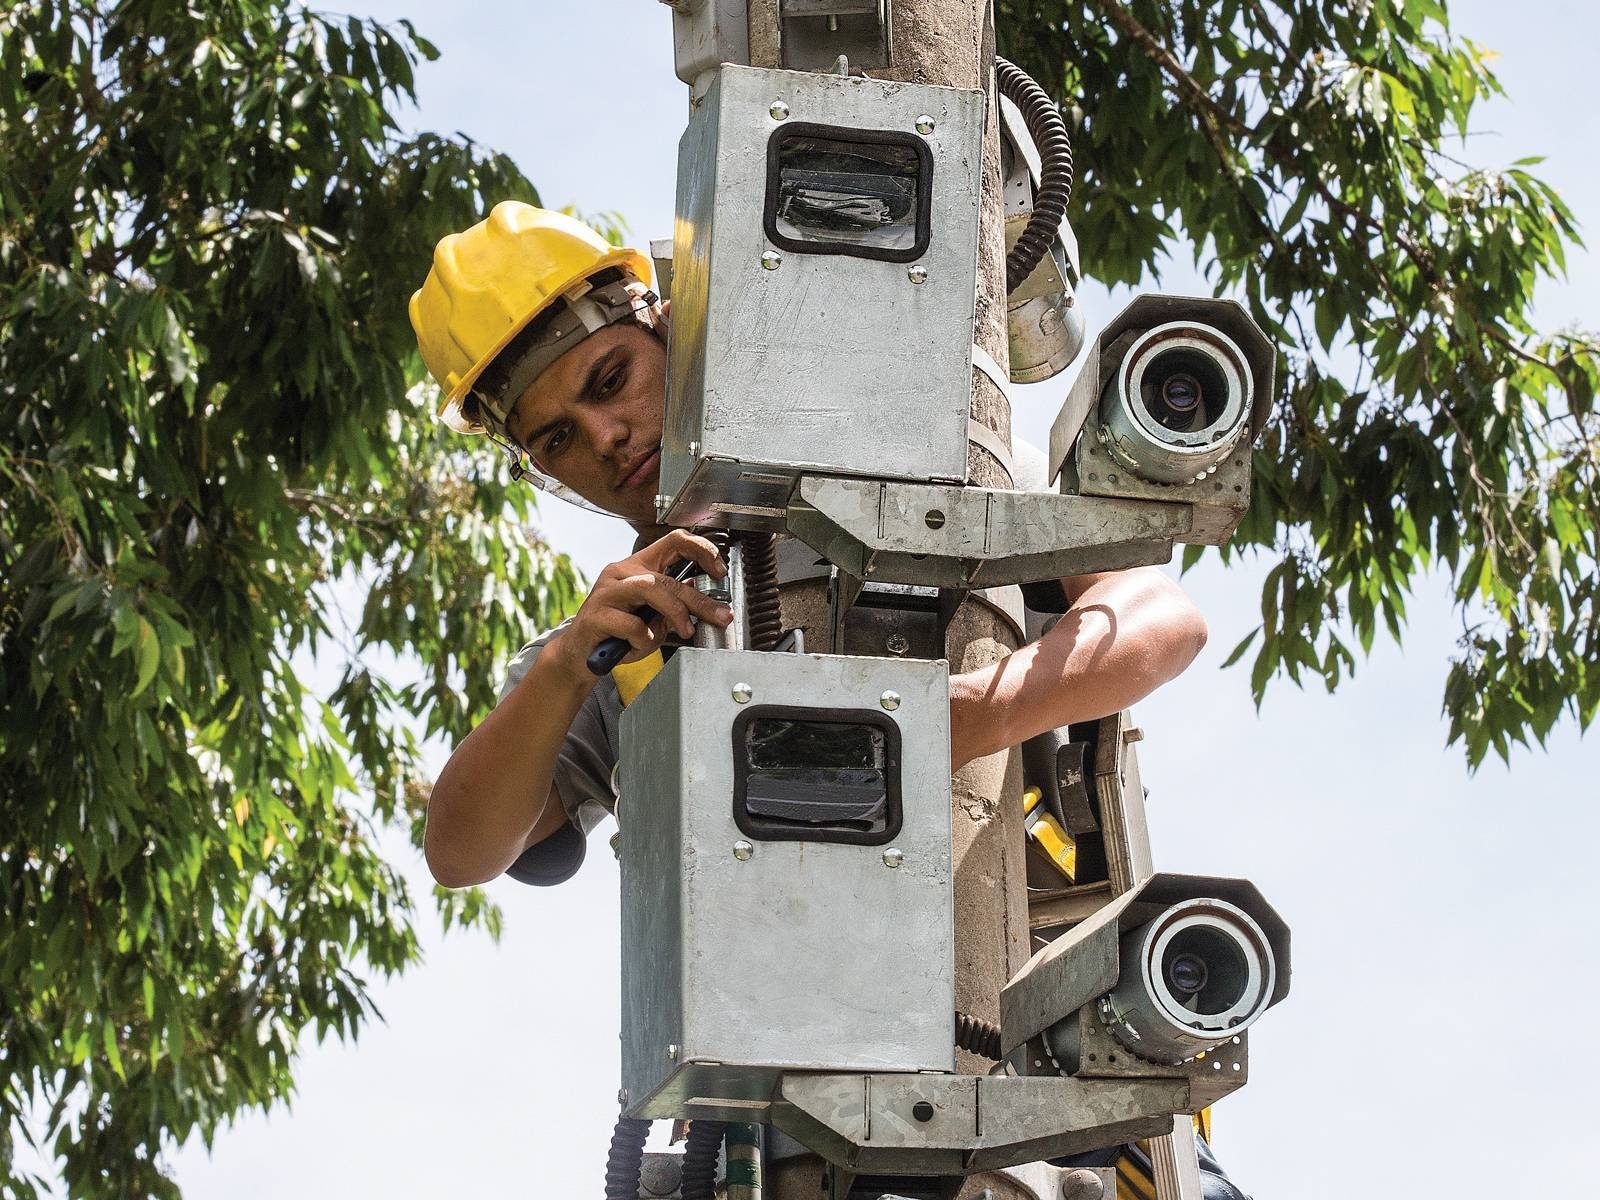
{"x":488,"y":282}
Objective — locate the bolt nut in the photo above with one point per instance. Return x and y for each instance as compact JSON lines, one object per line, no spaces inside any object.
{"x":889,"y":701}
{"x":694,"y":449}
{"x":778,"y":110}
{"x":1082,"y":1184}
{"x":771,"y":260}
{"x":893,"y":857}
{"x":622,"y":1095}
{"x":672,"y":1051}
{"x":896,"y":644}
{"x":917,"y":273}
{"x":743,"y":850}
{"x":742,"y":692}
{"x":924,"y":124}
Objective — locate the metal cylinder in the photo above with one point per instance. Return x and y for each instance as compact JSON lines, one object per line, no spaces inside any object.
{"x":730,"y":590}
{"x":1191,"y":979}
{"x":1178,"y":404}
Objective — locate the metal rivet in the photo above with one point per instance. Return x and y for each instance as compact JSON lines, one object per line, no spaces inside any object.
{"x":893,"y":857}
{"x":1216,"y":1066}
{"x":778,"y":110}
{"x":622,"y":1095}
{"x":742,"y":850}
{"x":890,"y":701}
{"x":1111,"y":478}
{"x":742,"y":693}
{"x":672,"y":1051}
{"x":771,"y":259}
{"x":917,"y":273}
{"x":897,"y":644}
{"x":924,"y":124}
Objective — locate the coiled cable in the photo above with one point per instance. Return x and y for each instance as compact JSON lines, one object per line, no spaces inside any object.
{"x":761,"y":589}
{"x":1054,"y":143}
{"x":624,"y":1162}
{"x":978,"y":1037}
{"x":700,"y":1153}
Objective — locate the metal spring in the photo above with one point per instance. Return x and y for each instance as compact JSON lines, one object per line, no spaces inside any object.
{"x":761,"y":589}
{"x":700,"y":1152}
{"x":626,"y":1158}
{"x":978,"y":1037}
{"x":1050,"y":136}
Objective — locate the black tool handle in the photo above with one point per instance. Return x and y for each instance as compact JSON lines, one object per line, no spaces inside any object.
{"x":613,"y":650}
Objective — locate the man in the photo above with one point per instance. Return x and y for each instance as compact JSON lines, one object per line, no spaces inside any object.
{"x":545,"y":339}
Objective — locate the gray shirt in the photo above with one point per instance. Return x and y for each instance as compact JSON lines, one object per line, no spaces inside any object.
{"x":582,"y":775}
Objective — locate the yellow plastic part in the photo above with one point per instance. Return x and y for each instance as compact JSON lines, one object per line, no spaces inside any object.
{"x":1047,"y":833}
{"x":489,"y":281}
{"x":632,"y":676}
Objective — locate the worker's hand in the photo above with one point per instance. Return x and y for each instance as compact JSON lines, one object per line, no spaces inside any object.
{"x":640,"y":580}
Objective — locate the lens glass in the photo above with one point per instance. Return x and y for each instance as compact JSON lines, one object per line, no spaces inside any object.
{"x":1206,"y":969}
{"x":1184,"y":390}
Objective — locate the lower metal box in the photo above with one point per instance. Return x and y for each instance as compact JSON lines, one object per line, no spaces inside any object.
{"x":786,"y":876}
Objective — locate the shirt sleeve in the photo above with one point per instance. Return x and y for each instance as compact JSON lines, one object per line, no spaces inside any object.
{"x":582,"y":776}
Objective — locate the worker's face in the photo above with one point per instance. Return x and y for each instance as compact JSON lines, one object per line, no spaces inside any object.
{"x":592,"y":419}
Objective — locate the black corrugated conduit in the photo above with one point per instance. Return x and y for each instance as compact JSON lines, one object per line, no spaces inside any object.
{"x":978,"y":1037}
{"x":761,"y":589}
{"x":626,"y":1158}
{"x":700,"y":1152}
{"x":1050,"y":136}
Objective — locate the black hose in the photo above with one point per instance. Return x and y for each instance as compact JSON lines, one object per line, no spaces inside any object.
{"x":626,"y":1159}
{"x":978,"y":1037}
{"x":700,"y":1153}
{"x":761,"y":589}
{"x":1049,"y":133}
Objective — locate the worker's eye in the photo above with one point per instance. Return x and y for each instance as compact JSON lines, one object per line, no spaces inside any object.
{"x":611,"y":382}
{"x":556,"y":441}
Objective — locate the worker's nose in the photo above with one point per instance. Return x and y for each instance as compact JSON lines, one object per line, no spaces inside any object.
{"x":606,"y":432}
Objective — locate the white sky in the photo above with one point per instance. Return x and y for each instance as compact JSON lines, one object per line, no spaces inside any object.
{"x":1445,"y":946}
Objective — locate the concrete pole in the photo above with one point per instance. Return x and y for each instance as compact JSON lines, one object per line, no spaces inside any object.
{"x":951,"y":42}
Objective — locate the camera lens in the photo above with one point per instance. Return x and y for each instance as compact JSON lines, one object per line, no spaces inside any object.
{"x":1186,"y":974}
{"x":1181,"y":393}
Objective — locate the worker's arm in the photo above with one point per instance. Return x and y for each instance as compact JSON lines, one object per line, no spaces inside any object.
{"x":1124,"y":635}
{"x":496,"y":796}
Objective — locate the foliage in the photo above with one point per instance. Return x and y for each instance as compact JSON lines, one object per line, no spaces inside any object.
{"x":209,"y":227}
{"x":1422,"y":422}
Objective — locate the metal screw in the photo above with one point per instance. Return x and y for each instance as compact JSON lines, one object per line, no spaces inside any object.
{"x":672,"y":1051}
{"x":622,"y":1095}
{"x":742,"y":693}
{"x":917,"y":273}
{"x":922,"y":1110}
{"x":890,"y":701}
{"x":778,"y":110}
{"x":897,"y":644}
{"x":742,"y":850}
{"x":924,"y":124}
{"x":771,"y":259}
{"x":893,"y":857}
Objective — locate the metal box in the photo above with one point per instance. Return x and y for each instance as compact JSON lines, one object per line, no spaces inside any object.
{"x":747,"y":953}
{"x":825,"y":265}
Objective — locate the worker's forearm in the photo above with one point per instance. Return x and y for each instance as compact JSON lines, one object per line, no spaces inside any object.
{"x":496,"y":789}
{"x":1124,"y":636}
